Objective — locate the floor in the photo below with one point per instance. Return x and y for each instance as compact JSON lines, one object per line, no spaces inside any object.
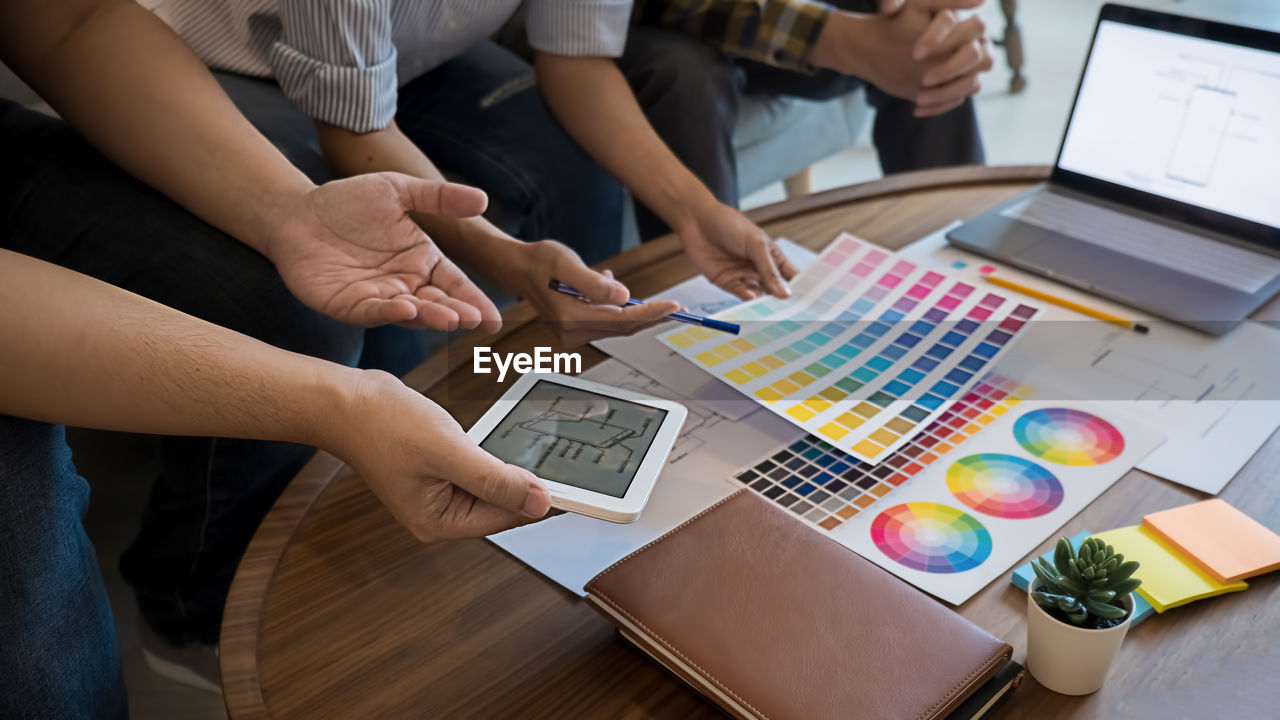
{"x":1018,"y":129}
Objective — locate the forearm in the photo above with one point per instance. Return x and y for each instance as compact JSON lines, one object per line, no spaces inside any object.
{"x":591,"y":99}
{"x":77,"y":351}
{"x":474,"y":241}
{"x":138,"y":94}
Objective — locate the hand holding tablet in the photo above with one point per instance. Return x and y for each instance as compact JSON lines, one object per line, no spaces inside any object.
{"x":599,"y":449}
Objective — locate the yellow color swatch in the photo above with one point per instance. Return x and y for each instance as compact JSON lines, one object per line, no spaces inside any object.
{"x":900,"y":425}
{"x":755,"y":368}
{"x":742,"y":345}
{"x":700,"y":333}
{"x":833,"y":431}
{"x":801,"y":413}
{"x":769,"y":395}
{"x":738,"y":376}
{"x":866,"y":448}
{"x":850,"y":420}
{"x":801,"y":378}
{"x":680,"y":340}
{"x":1169,"y":578}
{"x":786,"y":387}
{"x":884,"y":437}
{"x":834,"y":394}
{"x":772,"y":362}
{"x":708,"y":358}
{"x":817,"y":404}
{"x":866,"y":410}
{"x":727,"y":351}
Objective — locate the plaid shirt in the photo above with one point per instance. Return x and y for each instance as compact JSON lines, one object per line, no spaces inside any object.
{"x":781,"y":33}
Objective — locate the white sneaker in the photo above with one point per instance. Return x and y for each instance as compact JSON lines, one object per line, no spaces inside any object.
{"x":194,"y":665}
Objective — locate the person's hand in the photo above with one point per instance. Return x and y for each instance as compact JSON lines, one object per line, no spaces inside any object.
{"x":575,"y":322}
{"x":435,"y":480}
{"x":734,"y":253}
{"x":917,"y":50}
{"x":350,"y":250}
{"x":958,"y":50}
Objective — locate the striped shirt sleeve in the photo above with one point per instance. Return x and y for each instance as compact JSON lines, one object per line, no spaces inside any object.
{"x":582,"y":28}
{"x":781,"y":33}
{"x":336,"y":61}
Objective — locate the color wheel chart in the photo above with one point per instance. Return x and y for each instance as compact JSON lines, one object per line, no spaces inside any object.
{"x":956,"y":507}
{"x":821,"y":484}
{"x":1069,"y":437}
{"x":870,"y":349}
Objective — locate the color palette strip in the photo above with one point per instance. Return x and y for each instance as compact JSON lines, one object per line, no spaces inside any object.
{"x":826,"y":487}
{"x":869,"y":350}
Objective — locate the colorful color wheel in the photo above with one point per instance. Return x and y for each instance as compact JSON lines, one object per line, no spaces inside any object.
{"x":930,"y":537}
{"x":1004,"y":486}
{"x":1068,"y":437}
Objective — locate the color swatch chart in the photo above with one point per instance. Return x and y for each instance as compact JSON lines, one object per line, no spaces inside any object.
{"x":966,"y":498}
{"x":826,"y":487}
{"x":869,"y":350}
{"x":963,"y":522}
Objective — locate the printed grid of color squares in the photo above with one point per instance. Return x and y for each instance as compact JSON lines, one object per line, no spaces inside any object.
{"x":819,"y":483}
{"x":863,"y":386}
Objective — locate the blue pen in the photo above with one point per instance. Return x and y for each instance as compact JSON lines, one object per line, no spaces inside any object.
{"x":679,"y":316}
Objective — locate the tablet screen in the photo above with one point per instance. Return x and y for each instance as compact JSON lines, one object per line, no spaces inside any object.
{"x":576,"y":437}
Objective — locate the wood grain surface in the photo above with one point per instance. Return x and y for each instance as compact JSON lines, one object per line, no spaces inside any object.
{"x":338,"y":613}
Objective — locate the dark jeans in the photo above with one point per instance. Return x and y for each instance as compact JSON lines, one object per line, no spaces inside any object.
{"x":62,"y":202}
{"x":480,"y":117}
{"x":690,"y":91}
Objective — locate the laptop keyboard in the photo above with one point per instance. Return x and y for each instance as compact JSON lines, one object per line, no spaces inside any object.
{"x":1217,"y":262}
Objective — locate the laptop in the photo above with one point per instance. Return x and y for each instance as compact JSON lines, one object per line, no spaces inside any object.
{"x":1166,"y":192}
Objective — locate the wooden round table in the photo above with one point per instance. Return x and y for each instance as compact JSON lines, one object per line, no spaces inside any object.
{"x":338,"y":613}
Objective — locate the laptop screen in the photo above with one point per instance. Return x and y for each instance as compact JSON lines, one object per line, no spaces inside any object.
{"x":1191,"y":119}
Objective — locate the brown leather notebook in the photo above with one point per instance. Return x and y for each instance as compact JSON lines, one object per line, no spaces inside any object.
{"x":770,"y":619}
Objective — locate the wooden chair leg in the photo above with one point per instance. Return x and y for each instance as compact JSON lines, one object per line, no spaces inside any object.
{"x":799,"y":184}
{"x":1013,"y":45}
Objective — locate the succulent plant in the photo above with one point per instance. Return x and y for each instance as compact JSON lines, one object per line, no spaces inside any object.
{"x":1089,"y":583}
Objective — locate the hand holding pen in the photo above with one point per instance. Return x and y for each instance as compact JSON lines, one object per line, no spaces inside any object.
{"x":678,"y":315}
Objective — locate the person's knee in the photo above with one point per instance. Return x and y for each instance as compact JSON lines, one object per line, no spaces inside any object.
{"x":59,"y":652}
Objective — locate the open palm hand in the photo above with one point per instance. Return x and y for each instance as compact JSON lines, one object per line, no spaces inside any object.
{"x":352,"y":251}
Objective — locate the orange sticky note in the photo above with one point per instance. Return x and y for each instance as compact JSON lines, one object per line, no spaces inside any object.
{"x":1228,"y":544}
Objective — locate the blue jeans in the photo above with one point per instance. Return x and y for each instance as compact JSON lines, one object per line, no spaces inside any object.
{"x":62,"y":202}
{"x":478,"y":117}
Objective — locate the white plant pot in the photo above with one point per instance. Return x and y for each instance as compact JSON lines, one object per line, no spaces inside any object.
{"x":1069,"y":659}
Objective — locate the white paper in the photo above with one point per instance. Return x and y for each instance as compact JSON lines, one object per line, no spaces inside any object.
{"x":643,"y":352}
{"x":571,"y":549}
{"x":1008,"y":539}
{"x":1217,"y":399}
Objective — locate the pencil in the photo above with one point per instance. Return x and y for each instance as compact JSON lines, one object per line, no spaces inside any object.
{"x":1068,"y":304}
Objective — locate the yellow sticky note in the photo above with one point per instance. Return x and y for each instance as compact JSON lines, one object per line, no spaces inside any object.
{"x":1169,"y":578}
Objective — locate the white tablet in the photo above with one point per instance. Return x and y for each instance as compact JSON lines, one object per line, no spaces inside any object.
{"x":599,"y":449}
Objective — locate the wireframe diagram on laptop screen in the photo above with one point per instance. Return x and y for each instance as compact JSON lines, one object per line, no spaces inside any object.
{"x":1185,"y":118}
